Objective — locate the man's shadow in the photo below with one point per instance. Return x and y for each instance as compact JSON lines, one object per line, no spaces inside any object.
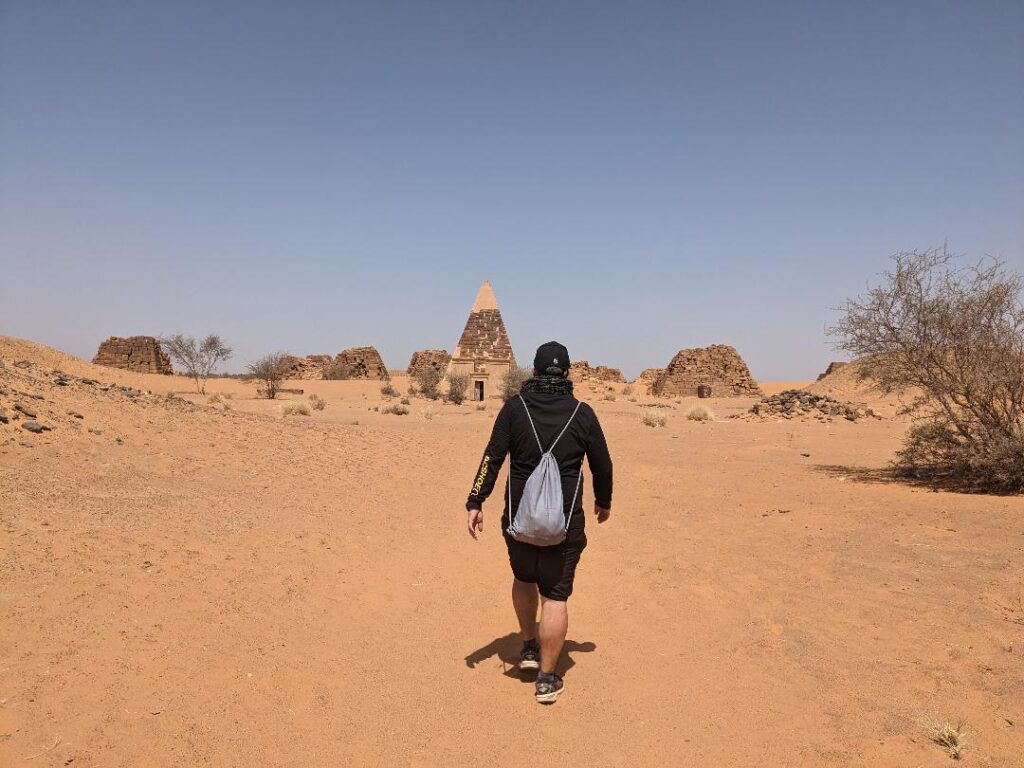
{"x":507,"y":650}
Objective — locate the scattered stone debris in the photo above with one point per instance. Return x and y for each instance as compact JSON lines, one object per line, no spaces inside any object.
{"x":35,"y":427}
{"x":801,"y":404}
{"x":75,"y":415}
{"x":27,"y":411}
{"x":4,"y":418}
{"x":22,"y":364}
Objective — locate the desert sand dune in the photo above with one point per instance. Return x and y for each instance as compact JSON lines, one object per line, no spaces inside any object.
{"x":183,"y":584}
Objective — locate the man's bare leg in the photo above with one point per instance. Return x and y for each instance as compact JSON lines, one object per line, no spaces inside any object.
{"x":554,"y":621}
{"x":524,"y":600}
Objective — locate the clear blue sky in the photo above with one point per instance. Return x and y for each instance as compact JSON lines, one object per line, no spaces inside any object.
{"x":633,"y":178}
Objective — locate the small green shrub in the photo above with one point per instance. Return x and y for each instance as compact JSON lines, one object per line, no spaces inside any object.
{"x":513,"y":380}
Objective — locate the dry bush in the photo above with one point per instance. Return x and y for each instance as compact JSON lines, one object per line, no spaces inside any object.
{"x":631,"y":399}
{"x":198,"y":358}
{"x":429,"y":413}
{"x":699,"y":413}
{"x":270,"y":370}
{"x":396,"y":408}
{"x":458,"y":384}
{"x":956,"y":335}
{"x":481,"y":406}
{"x":949,"y":737}
{"x":404,"y":401}
{"x":627,"y":390}
{"x":610,"y":396}
{"x":388,"y":390}
{"x":316,"y":402}
{"x":297,"y":408}
{"x":214,"y":399}
{"x":513,"y":380}
{"x":336,"y":371}
{"x":427,"y":381}
{"x":652,"y":418}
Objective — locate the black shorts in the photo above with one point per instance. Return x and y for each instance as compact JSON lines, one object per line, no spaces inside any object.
{"x":552,"y":569}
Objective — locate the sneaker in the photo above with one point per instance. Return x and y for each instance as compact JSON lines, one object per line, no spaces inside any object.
{"x":529,"y":658}
{"x":549,"y":688}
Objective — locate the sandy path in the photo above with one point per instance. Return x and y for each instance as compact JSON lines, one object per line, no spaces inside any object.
{"x":237,"y":589}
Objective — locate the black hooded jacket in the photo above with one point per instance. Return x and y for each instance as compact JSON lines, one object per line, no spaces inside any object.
{"x":512,"y":435}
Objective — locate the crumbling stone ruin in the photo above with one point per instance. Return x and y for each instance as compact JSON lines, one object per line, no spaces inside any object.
{"x":801,"y":404}
{"x":483,"y":352}
{"x":581,"y":371}
{"x":648,"y":376}
{"x":309,"y":368}
{"x":719,"y":367}
{"x":361,"y":363}
{"x":141,"y":354}
{"x":437,"y":359}
{"x":832,"y":368}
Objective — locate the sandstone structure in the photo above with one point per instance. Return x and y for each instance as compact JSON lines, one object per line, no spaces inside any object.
{"x":437,"y":359}
{"x":361,"y":363}
{"x":309,"y":368}
{"x":581,"y":371}
{"x":832,"y":368}
{"x":141,"y":354}
{"x":648,"y":376}
{"x":718,"y":366}
{"x":483,"y":352}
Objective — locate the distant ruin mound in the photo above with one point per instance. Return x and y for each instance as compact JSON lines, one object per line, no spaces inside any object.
{"x":308,"y":368}
{"x":359,"y":363}
{"x":581,"y":371}
{"x":832,"y":368}
{"x":648,"y":376}
{"x":436,"y":359}
{"x":719,"y":367}
{"x":140,"y":354}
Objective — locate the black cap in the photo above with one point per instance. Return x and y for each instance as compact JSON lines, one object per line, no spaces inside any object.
{"x":551,"y":359}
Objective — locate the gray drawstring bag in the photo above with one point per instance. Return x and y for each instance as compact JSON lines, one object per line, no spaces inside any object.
{"x":540,"y":518}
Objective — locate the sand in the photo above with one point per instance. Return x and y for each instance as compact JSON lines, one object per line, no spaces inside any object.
{"x":200,"y":586}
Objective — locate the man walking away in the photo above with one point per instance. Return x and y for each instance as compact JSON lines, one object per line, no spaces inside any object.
{"x":544,"y":417}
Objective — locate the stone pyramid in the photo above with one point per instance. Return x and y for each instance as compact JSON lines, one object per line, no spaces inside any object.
{"x":483,"y":351}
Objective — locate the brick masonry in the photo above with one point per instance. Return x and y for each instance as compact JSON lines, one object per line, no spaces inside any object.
{"x":141,"y":354}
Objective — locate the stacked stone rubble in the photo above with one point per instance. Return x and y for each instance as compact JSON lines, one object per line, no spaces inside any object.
{"x":436,"y":359}
{"x":361,"y":363}
{"x":718,"y":366}
{"x":309,"y":368}
{"x":141,"y":354}
{"x":801,"y":404}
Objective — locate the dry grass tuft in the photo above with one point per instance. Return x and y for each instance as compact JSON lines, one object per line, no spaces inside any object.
{"x":949,"y":737}
{"x":396,"y":408}
{"x":388,"y":390}
{"x":481,"y":406}
{"x":610,"y":396}
{"x":699,"y":413}
{"x":294,"y":409}
{"x":651,"y":418}
{"x":316,"y":402}
{"x":627,"y":390}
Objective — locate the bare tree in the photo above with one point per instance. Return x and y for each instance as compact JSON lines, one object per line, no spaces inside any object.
{"x":427,"y":380}
{"x":954,"y":336}
{"x":198,"y":359}
{"x":270,"y":370}
{"x":513,"y":380}
{"x":458,"y":383}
